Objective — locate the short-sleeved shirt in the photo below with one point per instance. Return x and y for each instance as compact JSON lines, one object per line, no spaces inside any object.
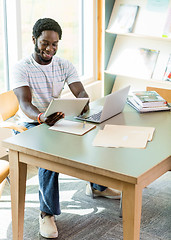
{"x":45,"y":81}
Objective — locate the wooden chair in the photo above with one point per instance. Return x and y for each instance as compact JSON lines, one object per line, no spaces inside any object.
{"x":4,"y":171}
{"x":163,"y":92}
{"x":8,"y":107}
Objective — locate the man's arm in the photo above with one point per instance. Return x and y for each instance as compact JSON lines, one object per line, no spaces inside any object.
{"x":79,"y":92}
{"x":24,"y":97}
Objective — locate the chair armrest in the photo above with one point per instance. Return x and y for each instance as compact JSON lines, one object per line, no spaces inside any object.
{"x":13,"y":126}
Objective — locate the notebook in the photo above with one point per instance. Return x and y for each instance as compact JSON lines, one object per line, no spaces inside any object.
{"x":69,"y":106}
{"x":114,"y":104}
{"x":71,"y":127}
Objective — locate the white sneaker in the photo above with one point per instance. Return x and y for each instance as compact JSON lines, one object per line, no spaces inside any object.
{"x":108,"y":192}
{"x":48,"y":227}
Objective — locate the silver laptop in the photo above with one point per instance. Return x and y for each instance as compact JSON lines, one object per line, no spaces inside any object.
{"x":114,"y":103}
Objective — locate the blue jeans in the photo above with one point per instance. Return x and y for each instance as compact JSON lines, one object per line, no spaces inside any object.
{"x":49,"y":186}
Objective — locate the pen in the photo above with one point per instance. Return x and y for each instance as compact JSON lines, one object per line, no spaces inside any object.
{"x":84,"y":123}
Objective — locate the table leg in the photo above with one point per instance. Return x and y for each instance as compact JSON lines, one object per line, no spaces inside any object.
{"x":131,"y":211}
{"x":18,"y":173}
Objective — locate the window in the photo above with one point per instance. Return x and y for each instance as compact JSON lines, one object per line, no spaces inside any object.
{"x":69,"y":19}
{"x":77,"y":20}
{"x":2,"y":75}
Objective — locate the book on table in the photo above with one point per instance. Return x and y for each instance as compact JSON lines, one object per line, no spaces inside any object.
{"x":149,"y":99}
{"x":131,"y":101}
{"x":72,"y":127}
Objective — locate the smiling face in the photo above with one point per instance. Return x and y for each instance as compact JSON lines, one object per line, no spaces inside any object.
{"x":46,"y":46}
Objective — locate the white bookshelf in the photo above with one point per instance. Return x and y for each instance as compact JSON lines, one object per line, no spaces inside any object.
{"x":147,"y":33}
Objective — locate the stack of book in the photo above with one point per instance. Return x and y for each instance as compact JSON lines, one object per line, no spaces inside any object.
{"x":147,"y":101}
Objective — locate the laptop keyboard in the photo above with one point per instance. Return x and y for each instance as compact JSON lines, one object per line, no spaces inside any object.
{"x":95,"y":116}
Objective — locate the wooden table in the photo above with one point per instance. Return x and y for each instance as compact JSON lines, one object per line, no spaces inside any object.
{"x":126,"y":169}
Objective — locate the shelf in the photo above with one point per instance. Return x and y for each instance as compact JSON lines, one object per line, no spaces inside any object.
{"x":140,"y":36}
{"x":137,"y":17}
{"x":139,"y":52}
{"x":138,"y":84}
{"x":139,"y":79}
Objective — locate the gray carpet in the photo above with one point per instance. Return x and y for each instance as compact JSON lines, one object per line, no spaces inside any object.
{"x":84,"y":218}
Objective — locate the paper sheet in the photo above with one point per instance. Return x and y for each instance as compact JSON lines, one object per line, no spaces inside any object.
{"x":123,"y":136}
{"x":78,"y":128}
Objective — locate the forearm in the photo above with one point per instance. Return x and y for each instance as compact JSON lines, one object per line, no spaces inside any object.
{"x":29,"y":110}
{"x":25,"y":100}
{"x":78,"y":90}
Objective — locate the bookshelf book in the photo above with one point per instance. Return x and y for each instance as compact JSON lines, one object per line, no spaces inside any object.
{"x":139,"y":55}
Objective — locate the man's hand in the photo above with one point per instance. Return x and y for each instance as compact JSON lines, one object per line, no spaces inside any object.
{"x":52,"y":119}
{"x":79,"y":92}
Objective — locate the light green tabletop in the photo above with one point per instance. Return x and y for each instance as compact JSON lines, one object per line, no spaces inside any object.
{"x":127,"y":161}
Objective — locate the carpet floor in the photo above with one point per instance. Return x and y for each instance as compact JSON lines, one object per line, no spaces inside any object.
{"x":83,"y":218}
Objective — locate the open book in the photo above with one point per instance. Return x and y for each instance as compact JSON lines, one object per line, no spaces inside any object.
{"x":77,"y":128}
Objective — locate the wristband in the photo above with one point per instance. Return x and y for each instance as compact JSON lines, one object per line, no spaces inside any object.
{"x":38,"y":118}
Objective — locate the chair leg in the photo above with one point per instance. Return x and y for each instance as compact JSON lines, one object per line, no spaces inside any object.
{"x":91,"y":189}
{"x":120,"y":214}
{"x":8,"y":179}
{"x":2,"y":185}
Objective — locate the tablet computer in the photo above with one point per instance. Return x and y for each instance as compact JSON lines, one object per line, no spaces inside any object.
{"x":69,"y":106}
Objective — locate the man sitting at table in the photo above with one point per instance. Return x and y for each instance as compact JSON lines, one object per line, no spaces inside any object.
{"x":36,"y":79}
